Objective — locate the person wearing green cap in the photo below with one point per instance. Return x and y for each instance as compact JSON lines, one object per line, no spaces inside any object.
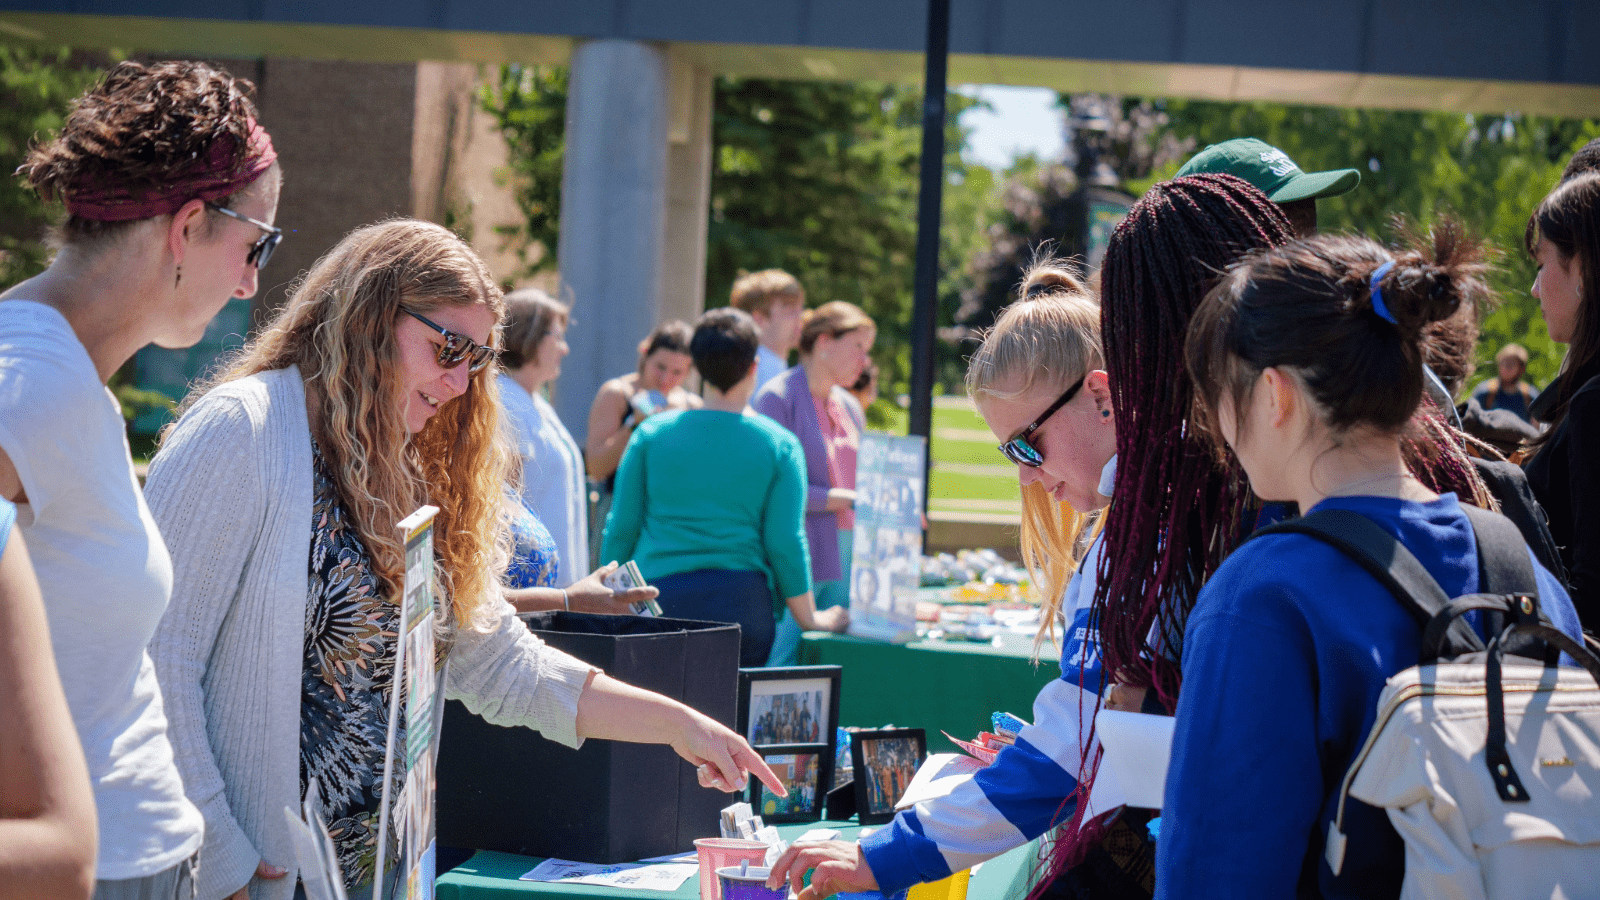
{"x":1273,"y":173}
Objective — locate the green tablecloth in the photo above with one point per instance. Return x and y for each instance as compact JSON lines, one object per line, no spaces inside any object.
{"x":931,"y":685}
{"x":494,"y":876}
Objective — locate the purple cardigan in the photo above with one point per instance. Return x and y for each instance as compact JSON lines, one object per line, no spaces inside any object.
{"x":786,"y":400}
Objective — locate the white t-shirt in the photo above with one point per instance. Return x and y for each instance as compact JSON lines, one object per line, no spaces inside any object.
{"x":552,"y":476}
{"x":106,"y":579}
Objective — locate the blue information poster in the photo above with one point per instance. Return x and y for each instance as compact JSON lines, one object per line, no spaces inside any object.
{"x":886,"y":561}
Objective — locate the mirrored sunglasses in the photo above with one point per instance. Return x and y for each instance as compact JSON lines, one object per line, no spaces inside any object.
{"x":458,"y":348}
{"x":1023,"y":453}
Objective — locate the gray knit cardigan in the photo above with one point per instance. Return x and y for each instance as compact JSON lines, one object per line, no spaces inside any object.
{"x":231,"y":491}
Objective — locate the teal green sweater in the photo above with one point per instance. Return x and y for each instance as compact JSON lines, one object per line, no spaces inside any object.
{"x":700,"y":489}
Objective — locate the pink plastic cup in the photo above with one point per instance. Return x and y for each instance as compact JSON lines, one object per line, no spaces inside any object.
{"x":722,"y":853}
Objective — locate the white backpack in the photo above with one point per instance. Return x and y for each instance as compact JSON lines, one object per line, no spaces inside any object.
{"x":1489,"y":771}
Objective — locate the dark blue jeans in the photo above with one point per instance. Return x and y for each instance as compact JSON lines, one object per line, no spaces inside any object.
{"x":724,"y":595}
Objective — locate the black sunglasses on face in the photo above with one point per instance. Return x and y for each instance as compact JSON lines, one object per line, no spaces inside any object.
{"x":1018,"y":450}
{"x":261,"y":250}
{"x":458,"y":348}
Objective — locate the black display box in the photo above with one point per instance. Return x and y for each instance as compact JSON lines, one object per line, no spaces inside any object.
{"x":509,"y":789}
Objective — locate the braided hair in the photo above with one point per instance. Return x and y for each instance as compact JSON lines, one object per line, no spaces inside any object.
{"x":1175,"y":514}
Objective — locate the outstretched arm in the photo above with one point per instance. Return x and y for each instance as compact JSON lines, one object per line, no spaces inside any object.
{"x":612,"y":710}
{"x":47,"y":817}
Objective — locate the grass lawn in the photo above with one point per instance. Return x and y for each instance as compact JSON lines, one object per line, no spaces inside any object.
{"x":969,"y":474}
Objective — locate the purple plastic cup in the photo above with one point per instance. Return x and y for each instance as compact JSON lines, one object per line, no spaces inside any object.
{"x":750,"y":885}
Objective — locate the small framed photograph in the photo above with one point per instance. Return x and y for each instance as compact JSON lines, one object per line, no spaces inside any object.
{"x":800,"y":767}
{"x":795,"y":705}
{"x":885,"y":762}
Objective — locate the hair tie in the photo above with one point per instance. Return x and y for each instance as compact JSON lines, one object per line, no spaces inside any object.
{"x":1378,"y":306}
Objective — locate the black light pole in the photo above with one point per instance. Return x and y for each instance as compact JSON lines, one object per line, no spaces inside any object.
{"x":924,"y":297}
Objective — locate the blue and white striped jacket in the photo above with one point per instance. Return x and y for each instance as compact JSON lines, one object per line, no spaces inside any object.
{"x":1025,"y":791}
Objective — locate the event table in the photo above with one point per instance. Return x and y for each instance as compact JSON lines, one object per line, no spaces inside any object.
{"x":494,"y":876}
{"x":933,"y":685}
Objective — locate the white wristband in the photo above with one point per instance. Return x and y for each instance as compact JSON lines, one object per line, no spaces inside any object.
{"x":566,"y":600}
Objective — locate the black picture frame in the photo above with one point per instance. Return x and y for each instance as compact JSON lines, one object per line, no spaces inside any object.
{"x":803,"y":769}
{"x":765,"y":719}
{"x":881,"y":781}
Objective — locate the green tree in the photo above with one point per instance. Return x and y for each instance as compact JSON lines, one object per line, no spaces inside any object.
{"x":819,"y":178}
{"x":1488,"y":171}
{"x":36,"y":85}
{"x":529,"y":104}
{"x":1040,"y":205}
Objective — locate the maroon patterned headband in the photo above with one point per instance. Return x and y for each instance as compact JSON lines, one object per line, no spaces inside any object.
{"x":220,"y":176}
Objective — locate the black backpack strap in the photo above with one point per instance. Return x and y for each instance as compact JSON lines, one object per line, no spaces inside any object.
{"x":1387,"y":560}
{"x":1505,"y":570}
{"x":1503,"y":564}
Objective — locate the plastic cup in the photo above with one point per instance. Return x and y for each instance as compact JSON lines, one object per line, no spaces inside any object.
{"x":749,"y":884}
{"x":721,"y":853}
{"x":952,"y":888}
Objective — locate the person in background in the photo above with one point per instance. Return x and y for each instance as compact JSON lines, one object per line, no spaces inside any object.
{"x":1271,"y":171}
{"x":47,"y":828}
{"x":370,"y":394}
{"x":552,"y":465}
{"x":171,"y":186}
{"x":1564,"y":238}
{"x":1307,"y":361}
{"x":1039,"y":381}
{"x":711,"y":502}
{"x":776,"y":301}
{"x":812,"y":402}
{"x":1506,"y":390}
{"x":625,"y":401}
{"x":865,"y":390}
{"x":549,"y":512}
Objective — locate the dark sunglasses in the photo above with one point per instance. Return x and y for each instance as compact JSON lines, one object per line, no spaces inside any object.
{"x":458,"y":348}
{"x":1018,"y":450}
{"x":261,"y":250}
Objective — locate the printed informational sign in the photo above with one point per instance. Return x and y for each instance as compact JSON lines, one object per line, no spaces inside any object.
{"x":413,"y":810}
{"x":885,"y":564}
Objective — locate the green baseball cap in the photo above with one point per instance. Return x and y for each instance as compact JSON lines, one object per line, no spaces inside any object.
{"x":1270,"y":170}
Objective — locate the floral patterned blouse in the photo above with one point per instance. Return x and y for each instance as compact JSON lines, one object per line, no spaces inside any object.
{"x":345,"y":684}
{"x":534,"y":560}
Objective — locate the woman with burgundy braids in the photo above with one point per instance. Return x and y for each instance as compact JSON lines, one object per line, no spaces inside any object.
{"x":1175,"y":513}
{"x":170,"y":187}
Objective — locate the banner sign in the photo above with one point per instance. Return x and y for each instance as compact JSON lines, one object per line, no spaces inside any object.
{"x":886,"y":560}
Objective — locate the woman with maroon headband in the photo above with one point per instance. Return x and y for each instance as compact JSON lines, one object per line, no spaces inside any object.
{"x":170,"y":187}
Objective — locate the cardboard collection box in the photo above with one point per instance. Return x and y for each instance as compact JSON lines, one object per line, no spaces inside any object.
{"x":509,"y":789}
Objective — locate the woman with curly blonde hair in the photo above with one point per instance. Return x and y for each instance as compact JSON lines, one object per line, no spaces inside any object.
{"x":279,"y":489}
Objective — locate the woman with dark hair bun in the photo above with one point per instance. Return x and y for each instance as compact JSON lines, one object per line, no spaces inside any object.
{"x":1564,"y":237}
{"x":170,"y":186}
{"x":1307,"y":364}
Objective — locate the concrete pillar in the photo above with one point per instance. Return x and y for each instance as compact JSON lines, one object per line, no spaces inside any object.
{"x":688,"y":191}
{"x":635,"y":203}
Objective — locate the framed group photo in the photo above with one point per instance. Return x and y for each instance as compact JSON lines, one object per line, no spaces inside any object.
{"x":791,"y":717}
{"x":885,"y":762}
{"x":799,"y":767}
